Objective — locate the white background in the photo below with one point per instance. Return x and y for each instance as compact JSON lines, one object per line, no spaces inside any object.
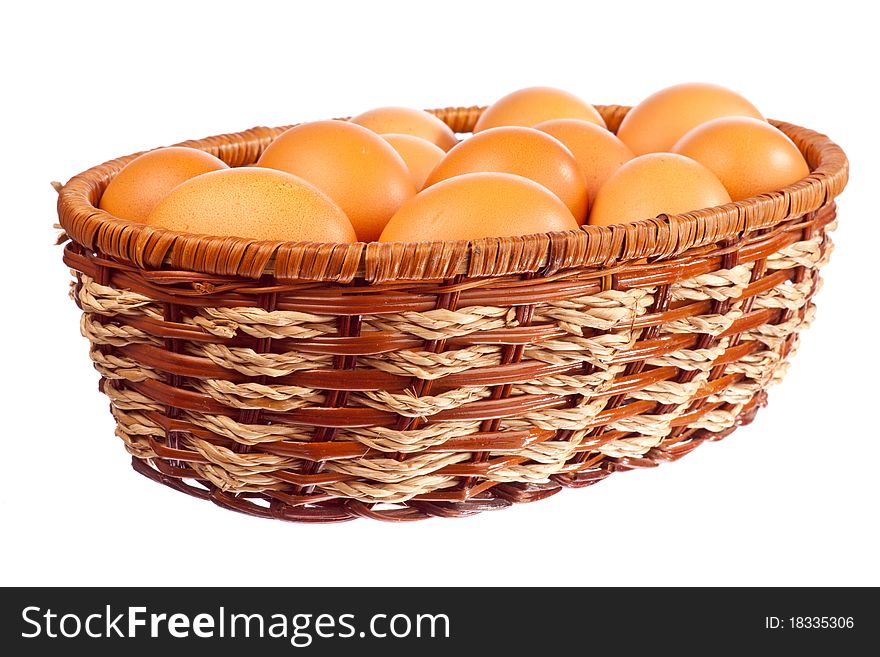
{"x":791,"y":499}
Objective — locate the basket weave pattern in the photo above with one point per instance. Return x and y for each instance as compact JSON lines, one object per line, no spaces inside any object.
{"x":400,"y":382}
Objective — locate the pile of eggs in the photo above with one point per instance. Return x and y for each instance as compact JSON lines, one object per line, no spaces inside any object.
{"x":539,"y":160}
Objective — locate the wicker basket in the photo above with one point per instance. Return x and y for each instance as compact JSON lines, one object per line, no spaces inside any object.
{"x":315,"y":382}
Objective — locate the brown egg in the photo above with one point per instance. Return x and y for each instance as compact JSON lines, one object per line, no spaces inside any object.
{"x":598,"y":152}
{"x":408,"y":121}
{"x":749,"y":156}
{"x":420,"y":155}
{"x":254,"y":203}
{"x":658,"y":183}
{"x":354,"y":166}
{"x":528,"y":107}
{"x":655,"y":124}
{"x":479,"y":205}
{"x":147,"y":179}
{"x":522,"y":151}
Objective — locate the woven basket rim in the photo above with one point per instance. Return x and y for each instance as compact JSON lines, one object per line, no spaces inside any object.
{"x":547,"y":253}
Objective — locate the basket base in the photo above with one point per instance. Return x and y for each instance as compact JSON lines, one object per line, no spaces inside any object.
{"x":499,"y":497}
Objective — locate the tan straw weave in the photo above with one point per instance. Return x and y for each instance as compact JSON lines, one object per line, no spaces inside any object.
{"x":317,"y":382}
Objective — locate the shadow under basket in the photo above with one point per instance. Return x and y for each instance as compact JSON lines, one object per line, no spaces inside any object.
{"x":321,"y":383}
